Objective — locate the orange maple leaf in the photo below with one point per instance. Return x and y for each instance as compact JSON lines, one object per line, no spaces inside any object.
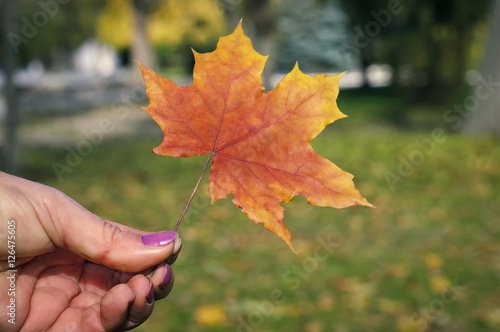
{"x":259,"y":141}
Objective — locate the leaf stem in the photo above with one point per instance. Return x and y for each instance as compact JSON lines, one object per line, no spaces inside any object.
{"x":194,"y":190}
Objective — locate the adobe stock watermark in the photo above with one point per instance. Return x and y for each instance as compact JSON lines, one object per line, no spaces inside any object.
{"x":428,"y":314}
{"x":293,"y":277}
{"x":423,"y":149}
{"x":95,"y":136}
{"x":32,"y":25}
{"x":12,"y":272}
{"x":363,"y":36}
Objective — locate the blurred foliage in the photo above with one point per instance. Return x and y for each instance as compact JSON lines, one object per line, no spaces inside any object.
{"x":187,"y":22}
{"x":172,"y":24}
{"x":115,"y":23}
{"x":430,"y":44}
{"x":41,"y":29}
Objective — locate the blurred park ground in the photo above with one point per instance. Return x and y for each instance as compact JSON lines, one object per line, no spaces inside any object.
{"x":422,"y":92}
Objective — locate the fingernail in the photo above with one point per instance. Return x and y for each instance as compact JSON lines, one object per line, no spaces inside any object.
{"x":151,"y":295}
{"x":175,"y":253}
{"x":160,"y":239}
{"x":168,"y":280}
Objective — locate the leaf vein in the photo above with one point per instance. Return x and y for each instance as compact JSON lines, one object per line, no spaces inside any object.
{"x":291,"y":112}
{"x":180,"y":117}
{"x":282,"y":171}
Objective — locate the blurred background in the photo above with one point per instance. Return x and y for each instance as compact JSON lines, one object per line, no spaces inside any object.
{"x":422,"y":92}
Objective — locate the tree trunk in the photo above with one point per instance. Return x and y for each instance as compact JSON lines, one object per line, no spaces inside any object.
{"x":142,"y":51}
{"x":10,"y":150}
{"x":259,"y":20}
{"x":263,"y":18}
{"x":486,"y":119}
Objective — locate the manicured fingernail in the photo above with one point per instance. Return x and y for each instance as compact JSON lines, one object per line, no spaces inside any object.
{"x":160,"y":239}
{"x":177,"y":246}
{"x":168,"y":280}
{"x":175,"y":253}
{"x":151,"y":295}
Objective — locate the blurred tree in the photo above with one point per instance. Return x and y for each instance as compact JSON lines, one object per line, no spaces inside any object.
{"x":486,"y":117}
{"x":313,"y":35}
{"x":362,"y":45}
{"x":442,"y":54}
{"x":169,"y":25}
{"x":130,"y":19}
{"x":262,"y":16}
{"x":116,"y":16}
{"x":427,"y":42}
{"x":49,"y":31}
{"x":181,"y":25}
{"x":141,"y":45}
{"x":259,"y":20}
{"x":187,"y":22}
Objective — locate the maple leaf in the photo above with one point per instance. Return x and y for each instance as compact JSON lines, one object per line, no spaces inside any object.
{"x":259,"y":141}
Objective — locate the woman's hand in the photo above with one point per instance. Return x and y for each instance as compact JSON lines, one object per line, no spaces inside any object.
{"x":72,"y":269}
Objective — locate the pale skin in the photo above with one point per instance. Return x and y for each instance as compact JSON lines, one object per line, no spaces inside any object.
{"x":74,"y":270}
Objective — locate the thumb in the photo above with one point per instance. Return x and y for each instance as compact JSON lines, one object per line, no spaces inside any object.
{"x":122,"y":248}
{"x":108,"y":243}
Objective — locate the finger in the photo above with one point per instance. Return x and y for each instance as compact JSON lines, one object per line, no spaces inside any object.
{"x":104,"y":243}
{"x":32,"y":286}
{"x":115,"y":305}
{"x":142,"y":306}
{"x":163,"y":281}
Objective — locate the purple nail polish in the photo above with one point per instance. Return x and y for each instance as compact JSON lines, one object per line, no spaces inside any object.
{"x":168,"y":280}
{"x":151,"y":295}
{"x":159,"y":239}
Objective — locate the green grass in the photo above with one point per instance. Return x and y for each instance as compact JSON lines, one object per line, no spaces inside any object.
{"x":386,"y":267}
